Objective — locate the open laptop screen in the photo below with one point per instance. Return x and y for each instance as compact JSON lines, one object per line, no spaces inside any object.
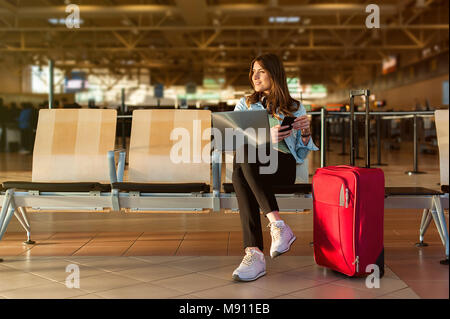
{"x":232,"y":129}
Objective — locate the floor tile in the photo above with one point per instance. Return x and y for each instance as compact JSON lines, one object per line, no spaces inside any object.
{"x":13,"y":248}
{"x":405,"y":293}
{"x":44,"y":291}
{"x":387,"y":285}
{"x":202,"y":248}
{"x":153,"y":272}
{"x":286,"y":263}
{"x":62,"y":273}
{"x":224,"y":272}
{"x":315,"y":272}
{"x":238,"y":290}
{"x":186,"y":297}
{"x":88,"y":296}
{"x":286,"y":296}
{"x":430,"y":289}
{"x":108,"y":248}
{"x":207,"y":236}
{"x":162,"y":236}
{"x":153,"y":247}
{"x":162,"y":259}
{"x":191,"y":283}
{"x":116,"y":236}
{"x":108,"y":281}
{"x":28,"y":264}
{"x":69,"y":237}
{"x":201,"y":263}
{"x":44,"y":249}
{"x":22,"y":236}
{"x":284,"y":283}
{"x":331,"y":291}
{"x":15,"y":279}
{"x":415,"y":267}
{"x":108,"y":263}
{"x":140,"y":291}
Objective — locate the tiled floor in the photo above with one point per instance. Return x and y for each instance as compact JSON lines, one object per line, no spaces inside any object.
{"x":183,"y":277}
{"x":199,"y":264}
{"x":193,"y":255}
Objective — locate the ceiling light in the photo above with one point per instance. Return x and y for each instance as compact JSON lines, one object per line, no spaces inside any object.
{"x":278,"y":19}
{"x":63,"y":21}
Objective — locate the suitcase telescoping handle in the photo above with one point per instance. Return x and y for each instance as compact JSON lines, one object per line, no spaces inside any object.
{"x":354,"y":93}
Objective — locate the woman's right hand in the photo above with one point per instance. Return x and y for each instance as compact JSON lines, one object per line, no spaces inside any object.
{"x":278,"y":136}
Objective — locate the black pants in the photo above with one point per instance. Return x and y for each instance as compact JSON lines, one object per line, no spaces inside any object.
{"x":254,"y":192}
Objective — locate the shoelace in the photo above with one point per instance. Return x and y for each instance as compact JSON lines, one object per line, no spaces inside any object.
{"x":248,"y":259}
{"x":275,"y":231}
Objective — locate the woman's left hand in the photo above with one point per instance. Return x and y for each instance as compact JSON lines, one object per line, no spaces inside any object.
{"x":302,"y":123}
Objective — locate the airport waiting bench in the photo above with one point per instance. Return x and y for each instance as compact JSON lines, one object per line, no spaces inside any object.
{"x":73,"y":147}
{"x":69,"y":171}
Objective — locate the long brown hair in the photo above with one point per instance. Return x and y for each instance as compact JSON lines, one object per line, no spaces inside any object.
{"x":278,"y":99}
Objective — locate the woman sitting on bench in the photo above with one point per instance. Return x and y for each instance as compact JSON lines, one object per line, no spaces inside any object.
{"x":253,"y":189}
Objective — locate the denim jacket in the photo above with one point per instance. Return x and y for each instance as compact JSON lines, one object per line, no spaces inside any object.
{"x":294,"y":141}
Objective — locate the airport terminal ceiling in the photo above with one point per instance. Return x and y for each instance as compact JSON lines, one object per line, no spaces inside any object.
{"x":180,"y":41}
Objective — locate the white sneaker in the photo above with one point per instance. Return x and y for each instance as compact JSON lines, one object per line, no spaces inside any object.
{"x":252,"y":266}
{"x":282,"y":238}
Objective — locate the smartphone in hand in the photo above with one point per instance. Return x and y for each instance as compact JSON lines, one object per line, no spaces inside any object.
{"x":288,"y":120}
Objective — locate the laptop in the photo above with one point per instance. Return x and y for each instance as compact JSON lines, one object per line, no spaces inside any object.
{"x":233,"y":129}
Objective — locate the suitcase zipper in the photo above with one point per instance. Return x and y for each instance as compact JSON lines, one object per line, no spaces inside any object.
{"x":357,"y":263}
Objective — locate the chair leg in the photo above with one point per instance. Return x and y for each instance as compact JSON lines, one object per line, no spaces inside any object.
{"x":426,"y":219}
{"x":7,"y":220}
{"x":23,"y":211}
{"x":4,"y":211}
{"x":25,"y":224}
{"x":115,"y":200}
{"x":5,"y":207}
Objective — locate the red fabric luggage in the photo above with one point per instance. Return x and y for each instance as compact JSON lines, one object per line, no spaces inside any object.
{"x":348,"y":207}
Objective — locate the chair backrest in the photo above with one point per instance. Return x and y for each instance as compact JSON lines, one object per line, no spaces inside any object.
{"x":71,"y":145}
{"x":302,"y":170}
{"x":170,"y":146}
{"x":442,"y":122}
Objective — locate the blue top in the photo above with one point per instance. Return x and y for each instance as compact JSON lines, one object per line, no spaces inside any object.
{"x":24,"y":118}
{"x":294,"y":141}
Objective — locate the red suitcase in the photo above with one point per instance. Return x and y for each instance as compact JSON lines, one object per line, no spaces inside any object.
{"x":348,"y":206}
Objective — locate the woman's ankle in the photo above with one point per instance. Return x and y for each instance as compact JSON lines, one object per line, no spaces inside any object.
{"x":273,"y":216}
